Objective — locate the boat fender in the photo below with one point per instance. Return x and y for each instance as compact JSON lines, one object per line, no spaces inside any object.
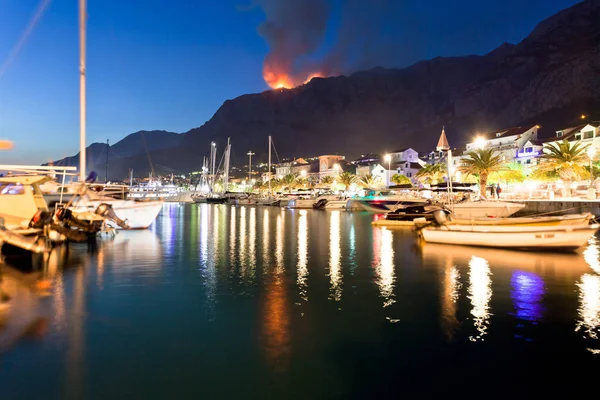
{"x":440,"y":217}
{"x":40,"y":219}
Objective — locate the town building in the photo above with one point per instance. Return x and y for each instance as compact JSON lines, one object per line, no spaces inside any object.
{"x":506,"y":142}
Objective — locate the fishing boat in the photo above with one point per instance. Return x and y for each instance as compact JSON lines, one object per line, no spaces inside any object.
{"x":571,"y":219}
{"x":330,"y":202}
{"x":561,"y":237}
{"x":485,"y":208}
{"x":406,"y":216}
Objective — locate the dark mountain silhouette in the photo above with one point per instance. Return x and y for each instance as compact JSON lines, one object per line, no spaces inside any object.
{"x":550,"y":78}
{"x":141,"y":143}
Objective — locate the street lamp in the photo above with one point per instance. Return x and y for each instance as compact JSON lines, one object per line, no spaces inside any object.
{"x":250,"y":154}
{"x":303,"y":173}
{"x":479,"y":142}
{"x":591,"y":153}
{"x":388,"y":158}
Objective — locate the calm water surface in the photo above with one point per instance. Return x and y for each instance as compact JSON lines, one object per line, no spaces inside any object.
{"x":243,"y":302}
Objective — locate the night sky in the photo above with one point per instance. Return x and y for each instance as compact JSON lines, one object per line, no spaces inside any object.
{"x":158,"y":64}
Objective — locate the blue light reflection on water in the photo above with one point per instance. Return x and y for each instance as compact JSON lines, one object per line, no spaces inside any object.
{"x":527,"y":294}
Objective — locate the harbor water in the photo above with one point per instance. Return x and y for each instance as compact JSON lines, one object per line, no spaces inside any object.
{"x":215,"y":301}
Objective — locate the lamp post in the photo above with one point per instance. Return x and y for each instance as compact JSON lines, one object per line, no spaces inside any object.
{"x":388,"y":158}
{"x":591,"y":152}
{"x":250,"y":154}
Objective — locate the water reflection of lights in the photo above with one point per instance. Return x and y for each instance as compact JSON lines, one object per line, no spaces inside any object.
{"x":215,"y":231}
{"x":527,"y":294}
{"x":352,"y":250}
{"x":232,"y":237}
{"x":302,"y":255}
{"x":276,"y":328}
{"x":480,"y":294}
{"x":242,"y":245}
{"x":451,"y":287}
{"x":265,"y":238}
{"x":383,"y":260}
{"x":592,"y":254}
{"x":75,"y":350}
{"x":252,"y":240}
{"x":204,"y":235}
{"x":589,"y":307}
{"x":335,"y":274}
{"x":279,"y":244}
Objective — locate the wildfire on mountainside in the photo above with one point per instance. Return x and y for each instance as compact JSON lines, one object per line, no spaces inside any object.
{"x":282,"y":80}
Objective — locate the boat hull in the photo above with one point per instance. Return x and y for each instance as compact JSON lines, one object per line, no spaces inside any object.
{"x":138,"y":215}
{"x":482,"y":209}
{"x":559,"y":238}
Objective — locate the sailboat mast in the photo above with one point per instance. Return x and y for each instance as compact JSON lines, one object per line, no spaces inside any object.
{"x":213,"y":160}
{"x":227,"y":158}
{"x":82,"y":111}
{"x":269,"y":171}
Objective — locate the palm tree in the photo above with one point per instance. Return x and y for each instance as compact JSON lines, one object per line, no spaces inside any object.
{"x":399,"y":179}
{"x":566,"y":160}
{"x":347,"y":179}
{"x":482,"y":163}
{"x":327,"y":180}
{"x":288,"y":181}
{"x":370,"y":181}
{"x":510,"y":173}
{"x":431,"y":173}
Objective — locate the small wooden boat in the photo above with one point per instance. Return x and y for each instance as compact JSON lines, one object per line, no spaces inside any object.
{"x":405,"y":216}
{"x":568,"y":237}
{"x":572,"y":219}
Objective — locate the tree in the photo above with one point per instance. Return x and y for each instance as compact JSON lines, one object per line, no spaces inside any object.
{"x":567,"y":160}
{"x":327,"y":180}
{"x":431,"y":173}
{"x":399,"y":179}
{"x":510,"y":173}
{"x":370,"y":182}
{"x":347,"y":179}
{"x":288,"y":181}
{"x":482,"y":163}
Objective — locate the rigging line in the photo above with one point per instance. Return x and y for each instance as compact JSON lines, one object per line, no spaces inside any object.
{"x":28,"y":30}
{"x":147,"y":152}
{"x":273,"y":144}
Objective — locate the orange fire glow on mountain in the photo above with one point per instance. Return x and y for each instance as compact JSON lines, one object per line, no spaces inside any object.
{"x":283,"y":80}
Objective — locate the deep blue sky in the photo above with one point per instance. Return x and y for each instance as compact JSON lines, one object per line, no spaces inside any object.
{"x":169,"y":64}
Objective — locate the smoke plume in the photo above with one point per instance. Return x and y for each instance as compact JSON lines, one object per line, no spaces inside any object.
{"x":297,"y":33}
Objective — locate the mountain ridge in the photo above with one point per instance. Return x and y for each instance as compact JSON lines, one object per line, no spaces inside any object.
{"x":545,"y":78}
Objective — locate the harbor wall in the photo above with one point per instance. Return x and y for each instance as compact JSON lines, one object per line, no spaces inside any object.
{"x":559,"y":206}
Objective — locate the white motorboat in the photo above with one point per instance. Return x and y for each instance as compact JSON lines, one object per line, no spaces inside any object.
{"x":330,"y":202}
{"x":485,"y":208}
{"x":137,"y":215}
{"x":562,"y":237}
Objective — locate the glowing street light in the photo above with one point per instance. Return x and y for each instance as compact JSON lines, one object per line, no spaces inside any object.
{"x":250,"y":154}
{"x":388,"y":158}
{"x":303,"y":173}
{"x":479,"y":142}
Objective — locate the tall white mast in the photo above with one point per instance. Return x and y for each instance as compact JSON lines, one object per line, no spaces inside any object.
{"x":269,"y":171}
{"x":227,"y":158}
{"x":213,"y":160}
{"x":82,"y":114}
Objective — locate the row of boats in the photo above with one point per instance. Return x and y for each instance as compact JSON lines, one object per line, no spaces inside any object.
{"x":438,"y":223}
{"x":36,"y":218}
